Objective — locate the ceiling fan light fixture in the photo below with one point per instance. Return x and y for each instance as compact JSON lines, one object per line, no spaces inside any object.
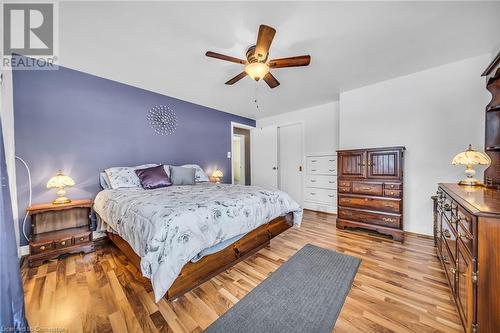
{"x":256,"y":70}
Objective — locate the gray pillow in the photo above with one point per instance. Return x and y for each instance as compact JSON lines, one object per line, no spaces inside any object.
{"x":182,"y":176}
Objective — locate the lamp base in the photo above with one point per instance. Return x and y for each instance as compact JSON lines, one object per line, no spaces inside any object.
{"x":471,"y":182}
{"x":61,"y":200}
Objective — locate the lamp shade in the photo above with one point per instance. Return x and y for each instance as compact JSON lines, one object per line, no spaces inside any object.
{"x":59,"y":181}
{"x":217,"y":174}
{"x":471,"y":157}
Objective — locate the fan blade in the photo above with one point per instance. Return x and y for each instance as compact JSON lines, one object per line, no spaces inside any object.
{"x":225,"y":57}
{"x":237,"y":78}
{"x":264,"y":39}
{"x":271,"y":80}
{"x":290,"y":62}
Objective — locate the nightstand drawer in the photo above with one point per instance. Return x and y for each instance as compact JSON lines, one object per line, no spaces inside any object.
{"x":41,"y":247}
{"x":63,"y":242}
{"x":82,"y":238}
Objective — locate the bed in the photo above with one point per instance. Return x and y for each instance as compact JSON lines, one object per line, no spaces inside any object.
{"x":181,"y":236}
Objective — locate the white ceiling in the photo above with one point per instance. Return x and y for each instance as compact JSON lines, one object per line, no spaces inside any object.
{"x":160,"y":46}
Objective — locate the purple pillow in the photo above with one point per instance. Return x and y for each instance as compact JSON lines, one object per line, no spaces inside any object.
{"x":154,"y":177}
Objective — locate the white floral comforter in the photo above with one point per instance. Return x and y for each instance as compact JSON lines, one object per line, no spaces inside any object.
{"x":167,"y":227}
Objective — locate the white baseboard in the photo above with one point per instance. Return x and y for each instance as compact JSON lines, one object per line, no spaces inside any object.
{"x":23,"y":251}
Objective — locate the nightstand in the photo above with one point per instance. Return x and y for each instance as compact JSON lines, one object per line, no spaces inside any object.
{"x":60,"y":229}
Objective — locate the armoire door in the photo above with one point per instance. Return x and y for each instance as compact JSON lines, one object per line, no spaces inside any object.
{"x":383,"y":164}
{"x":352,"y":165}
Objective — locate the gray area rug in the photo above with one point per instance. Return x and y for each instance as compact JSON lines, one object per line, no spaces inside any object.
{"x":305,"y":294}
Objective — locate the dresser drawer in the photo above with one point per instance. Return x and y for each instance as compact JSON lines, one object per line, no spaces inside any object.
{"x":367,"y":188}
{"x":449,"y":237}
{"x":41,"y":247}
{"x":321,"y":165}
{"x":320,"y":195}
{"x":449,"y":265}
{"x":344,"y":183}
{"x":63,"y":242}
{"x":344,"y":189}
{"x":82,"y":238}
{"x":387,"y":205}
{"x":392,"y":193}
{"x":392,"y":186}
{"x":328,"y":182}
{"x":388,"y":220}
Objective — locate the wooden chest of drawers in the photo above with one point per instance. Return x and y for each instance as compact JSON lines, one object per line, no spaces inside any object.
{"x":370,"y":190}
{"x":467,"y":235}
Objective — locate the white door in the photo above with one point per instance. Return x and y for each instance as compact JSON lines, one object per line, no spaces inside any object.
{"x":239,"y":159}
{"x":265,"y":156}
{"x":290,"y":160}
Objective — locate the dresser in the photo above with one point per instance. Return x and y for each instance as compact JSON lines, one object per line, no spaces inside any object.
{"x":370,"y":190}
{"x":320,"y":183}
{"x":467,"y":234}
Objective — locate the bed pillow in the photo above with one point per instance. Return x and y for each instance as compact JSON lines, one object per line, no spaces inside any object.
{"x":200,"y":175}
{"x":104,"y":181}
{"x":182,"y":175}
{"x":154,"y":177}
{"x":125,"y":177}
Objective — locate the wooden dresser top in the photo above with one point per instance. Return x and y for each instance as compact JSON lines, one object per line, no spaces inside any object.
{"x":480,"y":201}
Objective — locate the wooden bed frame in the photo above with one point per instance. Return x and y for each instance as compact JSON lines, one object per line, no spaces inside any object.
{"x":194,"y":274}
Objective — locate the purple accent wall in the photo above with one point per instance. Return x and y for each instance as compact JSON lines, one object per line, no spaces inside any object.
{"x":80,"y":123}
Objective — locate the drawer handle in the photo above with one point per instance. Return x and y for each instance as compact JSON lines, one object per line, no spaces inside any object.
{"x":392,"y":193}
{"x":346,"y":213}
{"x":388,"y":205}
{"x":388,"y":219}
{"x":331,"y":170}
{"x":366,"y":188}
{"x":331,"y":195}
{"x":314,"y":160}
{"x":331,"y":182}
{"x":453,"y":271}
{"x":314,"y":170}
{"x":313,"y":180}
{"x":331,"y":160}
{"x":345,"y":200}
{"x":447,"y":233}
{"x":82,"y":238}
{"x":392,"y":186}
{"x":63,"y":243}
{"x":42,"y":247}
{"x":312,"y":193}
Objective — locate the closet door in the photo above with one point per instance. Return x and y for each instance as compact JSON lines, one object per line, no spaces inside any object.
{"x":290,"y":158}
{"x":352,"y":164}
{"x":265,"y":156}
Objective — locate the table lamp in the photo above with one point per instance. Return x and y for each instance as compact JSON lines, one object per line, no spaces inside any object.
{"x":217,"y":175}
{"x":59,"y":182}
{"x":470,"y":157}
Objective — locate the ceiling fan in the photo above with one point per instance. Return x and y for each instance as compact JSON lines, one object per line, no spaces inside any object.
{"x":257,"y":65}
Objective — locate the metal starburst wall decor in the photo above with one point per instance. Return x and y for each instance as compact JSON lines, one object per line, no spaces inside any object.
{"x":162,"y":119}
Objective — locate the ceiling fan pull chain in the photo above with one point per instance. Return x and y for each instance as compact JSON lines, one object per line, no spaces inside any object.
{"x":256,"y":100}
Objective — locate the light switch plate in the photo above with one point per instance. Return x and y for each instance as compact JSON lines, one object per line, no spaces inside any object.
{"x":228,"y":154}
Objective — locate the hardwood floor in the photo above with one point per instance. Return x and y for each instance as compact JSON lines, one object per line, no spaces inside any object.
{"x":398,"y":288}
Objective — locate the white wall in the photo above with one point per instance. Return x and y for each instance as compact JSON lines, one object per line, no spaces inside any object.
{"x":7,"y":118}
{"x":435,"y":113}
{"x":320,"y":126}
